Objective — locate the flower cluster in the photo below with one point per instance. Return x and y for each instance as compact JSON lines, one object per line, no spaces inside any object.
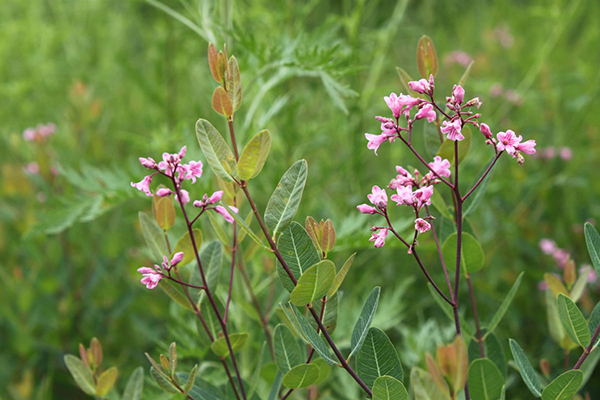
{"x":562,"y":258}
{"x":216,"y":196}
{"x":151,"y":277}
{"x":39,"y":133}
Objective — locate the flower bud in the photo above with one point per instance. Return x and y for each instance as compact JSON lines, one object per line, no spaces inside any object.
{"x":545,"y":367}
{"x":148,"y":162}
{"x":485,"y":129}
{"x":164,"y":192}
{"x":177,"y":258}
{"x":458,"y":93}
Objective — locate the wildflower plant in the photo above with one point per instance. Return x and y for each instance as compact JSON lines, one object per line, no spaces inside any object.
{"x":473,"y":365}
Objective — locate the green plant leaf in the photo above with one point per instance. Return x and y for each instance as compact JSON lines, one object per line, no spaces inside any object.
{"x":340,"y":276}
{"x":377,"y":357}
{"x":525,"y":369}
{"x":472,"y":256}
{"x":427,"y":62}
{"x":172,"y":359}
{"x":190,"y":381}
{"x":284,"y":201}
{"x":564,"y":387}
{"x":211,"y":257}
{"x":573,"y":321}
{"x":504,"y":306}
{"x":478,"y":194}
{"x":106,"y":381}
{"x":215,"y":223}
{"x":592,"y":239}
{"x":580,"y":285}
{"x":314,"y":283}
{"x":242,"y":224}
{"x":557,"y":332}
{"x":493,"y":350}
{"x":423,"y":386}
{"x":440,"y":204}
{"x":301,"y":376}
{"x":324,"y":370}
{"x":165,"y":213}
{"x":154,"y":236}
{"x":330,"y":316}
{"x":594,"y":322}
{"x":203,"y":390}
{"x":447,"y":148}
{"x":287,"y":351}
{"x":82,"y":375}
{"x":298,"y":251}
{"x":389,"y":388}
{"x":221,"y":102}
{"x":217,"y":152}
{"x":485,"y":380}
{"x":466,"y":74}
{"x":589,"y":366}
{"x":234,"y":84}
{"x":555,"y":285}
{"x":135,"y":385}
{"x":185,"y":244}
{"x":274,"y":393}
{"x":164,"y":383}
{"x":254,"y":155}
{"x":313,"y":338}
{"x":361,"y":328}
{"x":209,"y":315}
{"x":220,"y":348}
{"x":175,"y":294}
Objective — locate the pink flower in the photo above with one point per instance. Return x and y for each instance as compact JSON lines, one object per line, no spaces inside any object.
{"x":565,"y":153}
{"x":181,"y":153}
{"x":185,"y":197}
{"x":458,"y":94}
{"x":453,"y":129}
{"x":375,"y":141}
{"x":441,"y":167}
{"x":393,"y":104}
{"x":560,"y":256}
{"x":421,"y":225}
{"x":193,"y":170}
{"x":592,"y":276}
{"x":148,"y":162}
{"x":144,"y":185}
{"x":46,"y":130}
{"x":420,"y":86}
{"x":150,"y":277}
{"x":548,"y":246}
{"x":542,"y":286}
{"x":378,"y":197}
{"x":422,"y":196}
{"x":379,"y":237}
{"x":426,"y":112}
{"x":164,"y":192}
{"x":366,"y":209}
{"x":177,"y":257}
{"x":223,"y":211}
{"x":216,"y":196}
{"x":404,"y":178}
{"x":507,"y":141}
{"x":485,"y":129}
{"x":29,"y":134}
{"x":526,"y":147}
{"x":404,"y":196}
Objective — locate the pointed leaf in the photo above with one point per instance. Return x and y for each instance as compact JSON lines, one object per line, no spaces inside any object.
{"x":82,"y":375}
{"x":220,"y":348}
{"x":504,"y":306}
{"x":234,"y":84}
{"x":361,"y":328}
{"x":287,"y":351}
{"x":209,"y":315}
{"x":466,"y":74}
{"x":327,"y":236}
{"x":135,"y":385}
{"x":580,"y":285}
{"x":216,"y":225}
{"x":154,"y":236}
{"x":175,"y":294}
{"x":388,"y":388}
{"x":377,"y":357}
{"x":190,"y":381}
{"x":164,"y":383}
{"x":106,"y":381}
{"x":173,"y":359}
{"x":185,"y":244}
{"x":564,"y":387}
{"x":212,"y":62}
{"x":284,"y":201}
{"x":254,"y":155}
{"x":298,"y":252}
{"x":573,"y":321}
{"x":274,"y":393}
{"x":525,"y":369}
{"x":423,"y":387}
{"x":485,"y":380}
{"x":217,"y":153}
{"x":557,"y":332}
{"x":472,"y":256}
{"x":592,"y":239}
{"x":594,"y":322}
{"x":301,"y":376}
{"x":314,"y":231}
{"x":221,"y":102}
{"x":313,"y":338}
{"x":340,"y":276}
{"x":493,"y":351}
{"x":165,"y":213}
{"x":427,"y":62}
{"x":211,"y":257}
{"x":314,"y":283}
{"x":447,"y":148}
{"x":555,"y":285}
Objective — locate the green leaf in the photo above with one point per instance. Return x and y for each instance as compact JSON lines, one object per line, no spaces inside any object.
{"x":467,"y":330}
{"x":313,"y":338}
{"x":580,"y":285}
{"x":254,"y":155}
{"x":447,"y":148}
{"x":525,"y":369}
{"x":274,"y":393}
{"x":106,"y":381}
{"x":209,"y":315}
{"x":234,"y":84}
{"x":217,"y":153}
{"x":573,"y":321}
{"x":257,"y":370}
{"x":175,"y":294}
{"x":135,"y":385}
{"x":314,"y":283}
{"x":82,"y":375}
{"x":202,"y":390}
{"x":154,"y":236}
{"x":190,"y":381}
{"x":242,"y":224}
{"x":340,"y":276}
{"x":555,"y":285}
{"x":212,"y":261}
{"x":164,"y":383}
{"x":438,"y":202}
{"x":185,"y":244}
{"x":324,"y":370}
{"x":298,"y":251}
{"x":594,"y":322}
{"x":165,"y":213}
{"x":361,"y":328}
{"x":388,"y":388}
{"x":404,"y":79}
{"x":557,"y":332}
{"x":589,"y":365}
{"x":472,"y":256}
{"x":466,"y":74}
{"x":504,"y":306}
{"x":377,"y":357}
{"x":427,"y":62}
{"x":330,"y":316}
{"x":172,"y":359}
{"x":592,"y":239}
{"x":423,"y":386}
{"x":220,"y":348}
{"x":493,"y":350}
{"x":301,"y":376}
{"x":478,"y":194}
{"x":287,"y":351}
{"x":284,"y":201}
{"x":564,"y":387}
{"x":216,"y":225}
{"x":485,"y":380}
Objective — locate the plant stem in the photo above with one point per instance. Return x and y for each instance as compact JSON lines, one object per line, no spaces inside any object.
{"x":476,"y":316}
{"x":589,"y":349}
{"x":234,"y":246}
{"x":487,"y":171}
{"x":439,"y":248}
{"x":416,"y":153}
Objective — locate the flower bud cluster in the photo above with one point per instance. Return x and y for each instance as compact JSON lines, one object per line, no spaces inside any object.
{"x":151,"y":277}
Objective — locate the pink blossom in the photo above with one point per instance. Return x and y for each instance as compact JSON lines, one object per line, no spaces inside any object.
{"x":164,"y":192}
{"x":379,"y":237}
{"x":177,"y":257}
{"x":216,"y":196}
{"x":29,"y":134}
{"x":420,"y":86}
{"x":507,"y":141}
{"x":548,"y":246}
{"x":441,"y":167}
{"x":366,"y":209}
{"x":561,"y":256}
{"x":375,"y":141}
{"x":565,"y":153}
{"x":526,"y":147}
{"x":144,"y":185}
{"x":182,"y":152}
{"x":422,"y":196}
{"x":404,"y":178}
{"x":453,"y":129}
{"x":150,"y":277}
{"x":393,"y":104}
{"x":46,"y":130}
{"x":542,"y":286}
{"x":421,"y":225}
{"x":225,"y":213}
{"x":458,"y":94}
{"x":148,"y":162}
{"x":185,"y":197}
{"x":404,"y":196}
{"x":193,"y":170}
{"x":485,"y":129}
{"x":592,"y":276}
{"x":426,"y":112}
{"x":378,"y":197}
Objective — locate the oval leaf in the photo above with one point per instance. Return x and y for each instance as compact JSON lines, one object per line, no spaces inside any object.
{"x":377,"y":357}
{"x":254,"y":155}
{"x":234,"y":83}
{"x":301,"y":376}
{"x":82,"y":375}
{"x":154,"y":236}
{"x":564,"y":387}
{"x":573,"y":321}
{"x":284,"y":201}
{"x":339,"y":277}
{"x":298,"y":252}
{"x":504,"y":306}
{"x":220,"y":348}
{"x":472,"y":256}
{"x":217,"y":153}
{"x":221,"y":102}
{"x":106,"y":381}
{"x":287,"y":351}
{"x":361,"y":328}
{"x":165,"y":213}
{"x":327,"y":237}
{"x":485,"y":380}
{"x":185,"y":244}
{"x":592,"y":239}
{"x":427,"y":62}
{"x":525,"y":369}
{"x":135,"y":385}
{"x":388,"y":388}
{"x":594,"y":322}
{"x":175,"y":294}
{"x":164,"y":383}
{"x":314,"y":283}
{"x":493,"y":350}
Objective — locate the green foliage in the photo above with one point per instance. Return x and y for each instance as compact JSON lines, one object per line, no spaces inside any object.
{"x":298,"y":252}
{"x":217,"y":152}
{"x":377,"y":357}
{"x":300,"y":376}
{"x":485,"y":380}
{"x":314,"y":283}
{"x":221,"y":349}
{"x":389,"y":388}
{"x":135,"y":385}
{"x":526,"y":369}
{"x":287,"y":350}
{"x":361,"y":328}
{"x":564,"y":387}
{"x":472,"y":256}
{"x":254,"y":155}
{"x":573,"y":321}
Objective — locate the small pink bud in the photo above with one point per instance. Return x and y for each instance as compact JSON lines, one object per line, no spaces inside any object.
{"x":182,"y":152}
{"x":431,"y":80}
{"x":223,"y":211}
{"x":164,"y":192}
{"x":366,"y":209}
{"x":485,"y":129}
{"x":177,"y":258}
{"x":458,"y":93}
{"x":148,"y":162}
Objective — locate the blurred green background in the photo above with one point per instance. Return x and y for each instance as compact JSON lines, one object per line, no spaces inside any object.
{"x":124,"y":79}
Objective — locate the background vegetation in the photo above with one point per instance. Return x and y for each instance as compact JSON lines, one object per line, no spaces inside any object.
{"x":123,"y":79}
